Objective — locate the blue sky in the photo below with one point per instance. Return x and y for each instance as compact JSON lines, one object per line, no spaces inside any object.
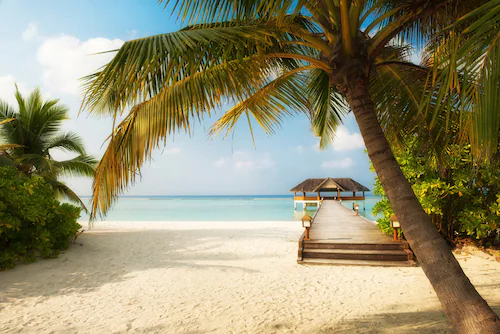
{"x":49,"y":44}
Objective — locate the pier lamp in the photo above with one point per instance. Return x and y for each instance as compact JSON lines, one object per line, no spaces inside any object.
{"x":395,"y":225}
{"x":355,"y":206}
{"x":306,"y":223}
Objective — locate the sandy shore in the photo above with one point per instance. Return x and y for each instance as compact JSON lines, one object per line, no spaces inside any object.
{"x":219,"y":277}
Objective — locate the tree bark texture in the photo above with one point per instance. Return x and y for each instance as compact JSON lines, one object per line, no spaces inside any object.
{"x":467,"y":310}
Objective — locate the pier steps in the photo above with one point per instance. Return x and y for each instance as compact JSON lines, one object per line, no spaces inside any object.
{"x":340,"y":237}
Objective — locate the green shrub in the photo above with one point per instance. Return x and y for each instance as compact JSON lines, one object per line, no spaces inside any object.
{"x":461,"y":197}
{"x":32,"y":221}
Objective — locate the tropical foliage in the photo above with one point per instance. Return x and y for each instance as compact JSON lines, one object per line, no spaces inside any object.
{"x":28,"y":136}
{"x":32,"y":221}
{"x":465,"y":59}
{"x":462,"y":197}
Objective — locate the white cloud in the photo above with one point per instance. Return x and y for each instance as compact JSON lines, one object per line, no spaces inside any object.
{"x":342,"y":164}
{"x":31,"y":32}
{"x":243,"y":162}
{"x":244,"y":165}
{"x":221,"y":162}
{"x":65,"y":59}
{"x":344,"y":140}
{"x":173,"y":150}
{"x":299,"y":149}
{"x":266,"y":162}
{"x":8,"y":88}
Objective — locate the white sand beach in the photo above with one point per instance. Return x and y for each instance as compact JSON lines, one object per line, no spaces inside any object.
{"x":220,"y":277}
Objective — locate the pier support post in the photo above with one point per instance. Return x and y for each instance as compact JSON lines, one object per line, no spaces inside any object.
{"x":395,"y":235}
{"x":307,"y":234}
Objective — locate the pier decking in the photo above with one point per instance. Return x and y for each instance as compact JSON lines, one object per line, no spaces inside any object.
{"x":339,"y":237}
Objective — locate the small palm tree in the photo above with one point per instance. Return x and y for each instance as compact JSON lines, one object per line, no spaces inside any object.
{"x":274,"y":58}
{"x":28,"y":135}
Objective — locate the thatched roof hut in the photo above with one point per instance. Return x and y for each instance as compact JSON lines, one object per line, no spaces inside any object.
{"x":329,"y":184}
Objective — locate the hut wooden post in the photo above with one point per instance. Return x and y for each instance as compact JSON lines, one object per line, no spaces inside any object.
{"x":338,"y":194}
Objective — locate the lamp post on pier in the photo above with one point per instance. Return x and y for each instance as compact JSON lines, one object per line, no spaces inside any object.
{"x":355,"y":206}
{"x":395,"y":225}
{"x":306,"y":223}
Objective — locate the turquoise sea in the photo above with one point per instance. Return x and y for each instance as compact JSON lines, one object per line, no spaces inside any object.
{"x":214,"y":208}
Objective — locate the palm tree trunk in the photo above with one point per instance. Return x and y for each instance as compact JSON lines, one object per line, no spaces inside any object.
{"x":466,"y":309}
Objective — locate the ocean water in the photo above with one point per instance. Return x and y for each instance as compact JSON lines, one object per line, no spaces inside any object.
{"x":214,"y":208}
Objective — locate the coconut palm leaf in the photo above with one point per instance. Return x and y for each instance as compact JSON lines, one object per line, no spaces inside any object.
{"x":142,"y":67}
{"x":465,"y":77}
{"x":269,"y":104}
{"x":5,"y":121}
{"x":82,"y":165}
{"x":328,"y":107}
{"x":70,"y":142}
{"x":63,"y":190}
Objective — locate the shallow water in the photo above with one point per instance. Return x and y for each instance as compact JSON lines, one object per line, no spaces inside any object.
{"x":215,"y":208}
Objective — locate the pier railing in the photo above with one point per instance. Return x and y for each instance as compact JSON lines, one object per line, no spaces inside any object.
{"x":315,"y":198}
{"x":306,"y":198}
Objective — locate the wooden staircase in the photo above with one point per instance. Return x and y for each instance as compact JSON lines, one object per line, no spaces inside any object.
{"x":340,"y":237}
{"x":328,"y":252}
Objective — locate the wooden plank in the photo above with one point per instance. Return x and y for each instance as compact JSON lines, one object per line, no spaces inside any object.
{"x":352,"y":198}
{"x":338,"y":224}
{"x":340,"y":262}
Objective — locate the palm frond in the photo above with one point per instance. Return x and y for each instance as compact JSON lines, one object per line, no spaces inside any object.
{"x":5,"y":121}
{"x":36,"y":162}
{"x":142,"y":68}
{"x":281,"y":97}
{"x":465,"y":79}
{"x":69,"y":142}
{"x":64,"y":191}
{"x":5,"y":147}
{"x":82,"y":165}
{"x":193,"y":11}
{"x":328,"y":104}
{"x":7,"y":118}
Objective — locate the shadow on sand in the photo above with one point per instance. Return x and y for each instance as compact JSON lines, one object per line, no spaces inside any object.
{"x":112,"y":256}
{"x":424,"y":322}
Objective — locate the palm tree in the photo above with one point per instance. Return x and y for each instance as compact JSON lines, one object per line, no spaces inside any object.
{"x":274,"y":58}
{"x":28,"y":135}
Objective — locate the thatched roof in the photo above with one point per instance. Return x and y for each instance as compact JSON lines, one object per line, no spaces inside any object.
{"x":329,"y":184}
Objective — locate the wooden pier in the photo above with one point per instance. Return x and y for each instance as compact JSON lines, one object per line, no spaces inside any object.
{"x":339,"y":237}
